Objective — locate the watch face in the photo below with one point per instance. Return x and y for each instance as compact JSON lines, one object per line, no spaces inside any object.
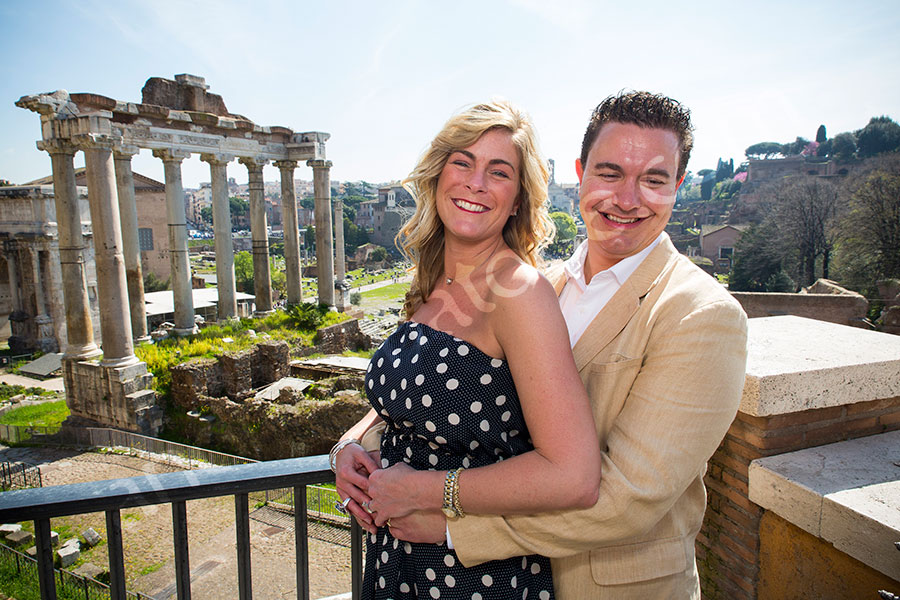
{"x":449,"y":512}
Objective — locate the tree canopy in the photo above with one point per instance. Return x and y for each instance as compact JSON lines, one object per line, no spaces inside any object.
{"x":764,"y":150}
{"x":882,"y":134}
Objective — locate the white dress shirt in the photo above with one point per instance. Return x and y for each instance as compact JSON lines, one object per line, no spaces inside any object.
{"x":580,"y":301}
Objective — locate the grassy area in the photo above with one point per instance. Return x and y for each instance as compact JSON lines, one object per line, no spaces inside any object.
{"x":389,"y":292}
{"x":48,"y":414}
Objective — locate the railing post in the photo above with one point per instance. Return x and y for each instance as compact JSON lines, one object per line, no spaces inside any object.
{"x":46,"y":576}
{"x":182,"y":561}
{"x":356,"y":563}
{"x":116,"y":558}
{"x":242,"y":527}
{"x":301,"y":542}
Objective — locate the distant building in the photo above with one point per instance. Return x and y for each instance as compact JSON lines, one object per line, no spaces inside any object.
{"x":717,"y":244}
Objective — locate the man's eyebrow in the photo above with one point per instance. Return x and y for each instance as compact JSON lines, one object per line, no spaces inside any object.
{"x":493,"y":161}
{"x":608,"y":165}
{"x":660,"y":172}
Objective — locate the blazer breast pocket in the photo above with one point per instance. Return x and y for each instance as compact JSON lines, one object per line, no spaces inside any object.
{"x":608,"y":384}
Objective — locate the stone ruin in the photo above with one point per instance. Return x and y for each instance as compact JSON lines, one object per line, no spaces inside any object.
{"x":174,"y":120}
{"x":227,"y":409}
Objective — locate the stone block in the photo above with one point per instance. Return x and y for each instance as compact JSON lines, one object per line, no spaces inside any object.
{"x":91,"y":537}
{"x":90,"y":570}
{"x":32,"y":551}
{"x":796,"y":364}
{"x":8,"y":528}
{"x":67,"y":555}
{"x":19,"y":538}
{"x":54,"y":538}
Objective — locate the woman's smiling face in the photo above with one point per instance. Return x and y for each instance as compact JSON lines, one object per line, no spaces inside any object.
{"x":478,"y":187}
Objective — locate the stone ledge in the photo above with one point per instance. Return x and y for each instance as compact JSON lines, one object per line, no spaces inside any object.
{"x":796,"y":364}
{"x":847,"y":494}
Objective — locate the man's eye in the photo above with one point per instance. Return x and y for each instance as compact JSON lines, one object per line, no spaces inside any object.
{"x":609,"y":176}
{"x":655,"y":182}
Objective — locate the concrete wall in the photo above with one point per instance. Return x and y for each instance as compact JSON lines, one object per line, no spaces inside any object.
{"x":841,"y":309}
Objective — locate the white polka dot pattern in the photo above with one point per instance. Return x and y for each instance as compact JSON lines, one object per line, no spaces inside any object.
{"x":446,"y":404}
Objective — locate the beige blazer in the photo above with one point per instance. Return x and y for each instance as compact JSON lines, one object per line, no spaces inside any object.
{"x":663,"y":364}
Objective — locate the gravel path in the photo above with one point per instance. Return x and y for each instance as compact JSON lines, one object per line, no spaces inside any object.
{"x":147,"y":535}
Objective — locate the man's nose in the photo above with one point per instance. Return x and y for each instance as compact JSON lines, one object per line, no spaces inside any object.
{"x":628,"y":197}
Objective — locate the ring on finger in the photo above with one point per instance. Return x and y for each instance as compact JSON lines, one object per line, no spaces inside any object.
{"x":366,"y":506}
{"x":341,"y":507}
{"x":388,"y":523}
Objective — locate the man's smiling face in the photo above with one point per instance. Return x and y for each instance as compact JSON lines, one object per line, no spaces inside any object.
{"x":627,"y":191}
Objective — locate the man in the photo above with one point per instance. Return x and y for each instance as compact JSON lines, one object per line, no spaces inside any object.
{"x":661,"y":348}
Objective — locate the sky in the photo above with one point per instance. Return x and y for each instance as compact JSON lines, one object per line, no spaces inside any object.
{"x":382,"y":77}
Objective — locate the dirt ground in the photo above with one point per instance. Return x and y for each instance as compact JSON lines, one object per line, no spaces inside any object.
{"x":147,"y":535}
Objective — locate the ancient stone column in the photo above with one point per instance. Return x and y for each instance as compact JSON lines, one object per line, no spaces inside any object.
{"x":12,"y":255}
{"x":222,"y":228}
{"x":130,"y":244}
{"x":291,"y":232}
{"x":262,"y":278}
{"x":340,"y":268}
{"x":112,"y":289}
{"x":40,"y":305}
{"x":324,"y":237}
{"x":178,"y":250}
{"x":79,"y":329}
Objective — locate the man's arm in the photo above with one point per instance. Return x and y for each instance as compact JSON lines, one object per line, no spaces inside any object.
{"x":676,"y":414}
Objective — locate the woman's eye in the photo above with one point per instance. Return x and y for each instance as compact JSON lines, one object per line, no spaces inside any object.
{"x":502,"y":174}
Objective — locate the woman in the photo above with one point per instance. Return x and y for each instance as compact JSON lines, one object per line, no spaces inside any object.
{"x":483,"y":409}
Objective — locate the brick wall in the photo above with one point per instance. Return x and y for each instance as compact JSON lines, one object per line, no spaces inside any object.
{"x":728,"y":544}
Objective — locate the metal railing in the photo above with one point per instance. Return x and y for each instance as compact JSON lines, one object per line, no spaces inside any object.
{"x":19,"y":475}
{"x":111,"y":496}
{"x":72,"y":585}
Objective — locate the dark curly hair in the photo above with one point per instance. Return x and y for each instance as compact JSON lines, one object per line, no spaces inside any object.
{"x":643,"y":109}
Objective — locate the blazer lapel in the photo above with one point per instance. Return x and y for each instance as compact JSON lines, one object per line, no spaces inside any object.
{"x":613,"y":318}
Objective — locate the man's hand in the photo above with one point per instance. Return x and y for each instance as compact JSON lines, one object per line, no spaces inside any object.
{"x":426,"y":527}
{"x":353,"y":465}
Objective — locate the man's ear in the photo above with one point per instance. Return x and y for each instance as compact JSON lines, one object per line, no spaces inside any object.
{"x":579,"y":170}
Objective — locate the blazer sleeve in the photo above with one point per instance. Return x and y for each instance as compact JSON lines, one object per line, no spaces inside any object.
{"x":676,"y":413}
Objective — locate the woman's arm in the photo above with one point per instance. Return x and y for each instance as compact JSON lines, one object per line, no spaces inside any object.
{"x":563,"y":471}
{"x":353,"y":465}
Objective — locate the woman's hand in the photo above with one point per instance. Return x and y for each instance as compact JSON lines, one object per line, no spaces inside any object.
{"x":399,"y":490}
{"x":353,"y":467}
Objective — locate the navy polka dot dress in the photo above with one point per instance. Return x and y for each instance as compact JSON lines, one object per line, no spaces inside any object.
{"x":446,"y":404}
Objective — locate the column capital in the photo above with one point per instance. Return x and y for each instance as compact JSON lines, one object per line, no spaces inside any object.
{"x":217,"y":158}
{"x":171,"y":154}
{"x":125,"y":151}
{"x":318,"y":164}
{"x":87,"y":141}
{"x":253,"y":163}
{"x":57,"y":146}
{"x":286,"y":164}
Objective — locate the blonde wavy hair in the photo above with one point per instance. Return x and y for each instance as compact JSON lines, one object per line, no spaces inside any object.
{"x":421,"y":239}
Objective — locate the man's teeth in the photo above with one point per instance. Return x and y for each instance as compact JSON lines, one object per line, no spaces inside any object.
{"x":616,"y":219}
{"x":469,"y":206}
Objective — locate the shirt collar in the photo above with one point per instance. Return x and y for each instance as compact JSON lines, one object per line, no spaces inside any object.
{"x":622,"y":270}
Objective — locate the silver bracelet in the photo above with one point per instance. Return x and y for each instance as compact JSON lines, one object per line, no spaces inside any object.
{"x":332,"y":456}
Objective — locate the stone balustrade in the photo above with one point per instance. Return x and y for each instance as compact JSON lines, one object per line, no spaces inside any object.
{"x":809,"y":383}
